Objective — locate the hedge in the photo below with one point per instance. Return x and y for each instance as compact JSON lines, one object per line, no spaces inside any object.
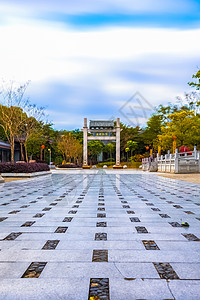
{"x":68,"y":166}
{"x":23,"y":167}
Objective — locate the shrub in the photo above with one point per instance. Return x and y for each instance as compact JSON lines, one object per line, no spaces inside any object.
{"x":137,"y":158}
{"x":100,"y":165}
{"x":109,"y":160}
{"x":41,"y":161}
{"x":58,"y":160}
{"x":68,"y":166}
{"x":23,"y":167}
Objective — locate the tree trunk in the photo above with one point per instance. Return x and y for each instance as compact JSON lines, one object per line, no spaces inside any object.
{"x":22,"y":151}
{"x":26,"y":152}
{"x":41,"y":154}
{"x":12,"y":145}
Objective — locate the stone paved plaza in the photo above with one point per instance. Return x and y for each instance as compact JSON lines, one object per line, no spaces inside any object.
{"x":99,"y":234}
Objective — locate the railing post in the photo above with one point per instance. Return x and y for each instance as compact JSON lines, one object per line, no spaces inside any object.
{"x":176,"y":153}
{"x":166,"y":162}
{"x":195,"y":152}
{"x":176,"y":166}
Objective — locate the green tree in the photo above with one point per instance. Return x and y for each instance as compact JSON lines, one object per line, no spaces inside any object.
{"x":185,"y":125}
{"x":195,"y":84}
{"x":132,"y":145}
{"x":110,"y":149}
{"x":95,"y":148}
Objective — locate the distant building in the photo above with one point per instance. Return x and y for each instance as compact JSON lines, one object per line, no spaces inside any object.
{"x":5,"y":152}
{"x":101,"y":128}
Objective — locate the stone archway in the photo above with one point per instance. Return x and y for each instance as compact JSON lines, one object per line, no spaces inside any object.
{"x":101,"y":130}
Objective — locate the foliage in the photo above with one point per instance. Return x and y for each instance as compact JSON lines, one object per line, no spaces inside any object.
{"x":195,"y":84}
{"x":100,"y":165}
{"x":153,"y":129}
{"x":137,"y":157}
{"x":18,"y":117}
{"x":68,"y":165}
{"x":58,"y":160}
{"x":109,"y":148}
{"x":95,"y":147}
{"x":132,"y":145}
{"x":185,"y":126}
{"x":23,"y":167}
{"x":70,"y":147}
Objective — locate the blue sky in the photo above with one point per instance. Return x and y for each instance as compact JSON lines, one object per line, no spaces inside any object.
{"x":87,"y":58}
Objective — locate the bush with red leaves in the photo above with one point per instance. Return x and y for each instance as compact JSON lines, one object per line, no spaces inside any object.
{"x":23,"y":167}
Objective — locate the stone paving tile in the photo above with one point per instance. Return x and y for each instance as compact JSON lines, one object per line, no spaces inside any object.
{"x":43,"y":289}
{"x":139,"y":289}
{"x":124,"y":194}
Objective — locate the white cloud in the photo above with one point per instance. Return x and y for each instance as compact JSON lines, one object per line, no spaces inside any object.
{"x":97,"y":6}
{"x":96,"y":60}
{"x":40,"y":51}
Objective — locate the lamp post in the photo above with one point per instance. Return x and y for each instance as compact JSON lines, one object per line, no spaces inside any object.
{"x":49,"y":156}
{"x":42,"y":148}
{"x":174,"y":143}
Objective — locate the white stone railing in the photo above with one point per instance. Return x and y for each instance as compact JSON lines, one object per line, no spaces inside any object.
{"x":184,"y":162}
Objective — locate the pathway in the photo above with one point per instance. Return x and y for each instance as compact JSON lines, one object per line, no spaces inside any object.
{"x":111,"y":234}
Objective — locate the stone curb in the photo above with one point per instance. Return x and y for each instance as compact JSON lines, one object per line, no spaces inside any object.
{"x":26,"y":175}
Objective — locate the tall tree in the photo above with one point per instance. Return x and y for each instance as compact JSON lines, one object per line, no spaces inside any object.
{"x":12,"y":110}
{"x":185,"y":126}
{"x":195,"y":84}
{"x":95,"y":148}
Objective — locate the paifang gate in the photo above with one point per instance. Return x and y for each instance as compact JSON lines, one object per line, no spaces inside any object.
{"x":103,"y":131}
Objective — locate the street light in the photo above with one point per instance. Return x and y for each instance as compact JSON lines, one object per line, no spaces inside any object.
{"x":49,"y":156}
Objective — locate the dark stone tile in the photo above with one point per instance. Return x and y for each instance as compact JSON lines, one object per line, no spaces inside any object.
{"x":101,"y":215}
{"x":12,"y":236}
{"x":72,"y":212}
{"x":191,"y":237}
{"x":28,"y":224}
{"x":101,"y":236}
{"x":141,"y":229}
{"x":135,"y":219}
{"x":50,"y":245}
{"x":38,"y":216}
{"x":150,"y":245}
{"x":175,"y":224}
{"x":14,"y":212}
{"x":100,"y":256}
{"x":101,"y":224}
{"x":165,"y":271}
{"x":67,"y":219}
{"x":99,"y":289}
{"x":34,"y":270}
{"x":177,"y":206}
{"x":164,"y":216}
